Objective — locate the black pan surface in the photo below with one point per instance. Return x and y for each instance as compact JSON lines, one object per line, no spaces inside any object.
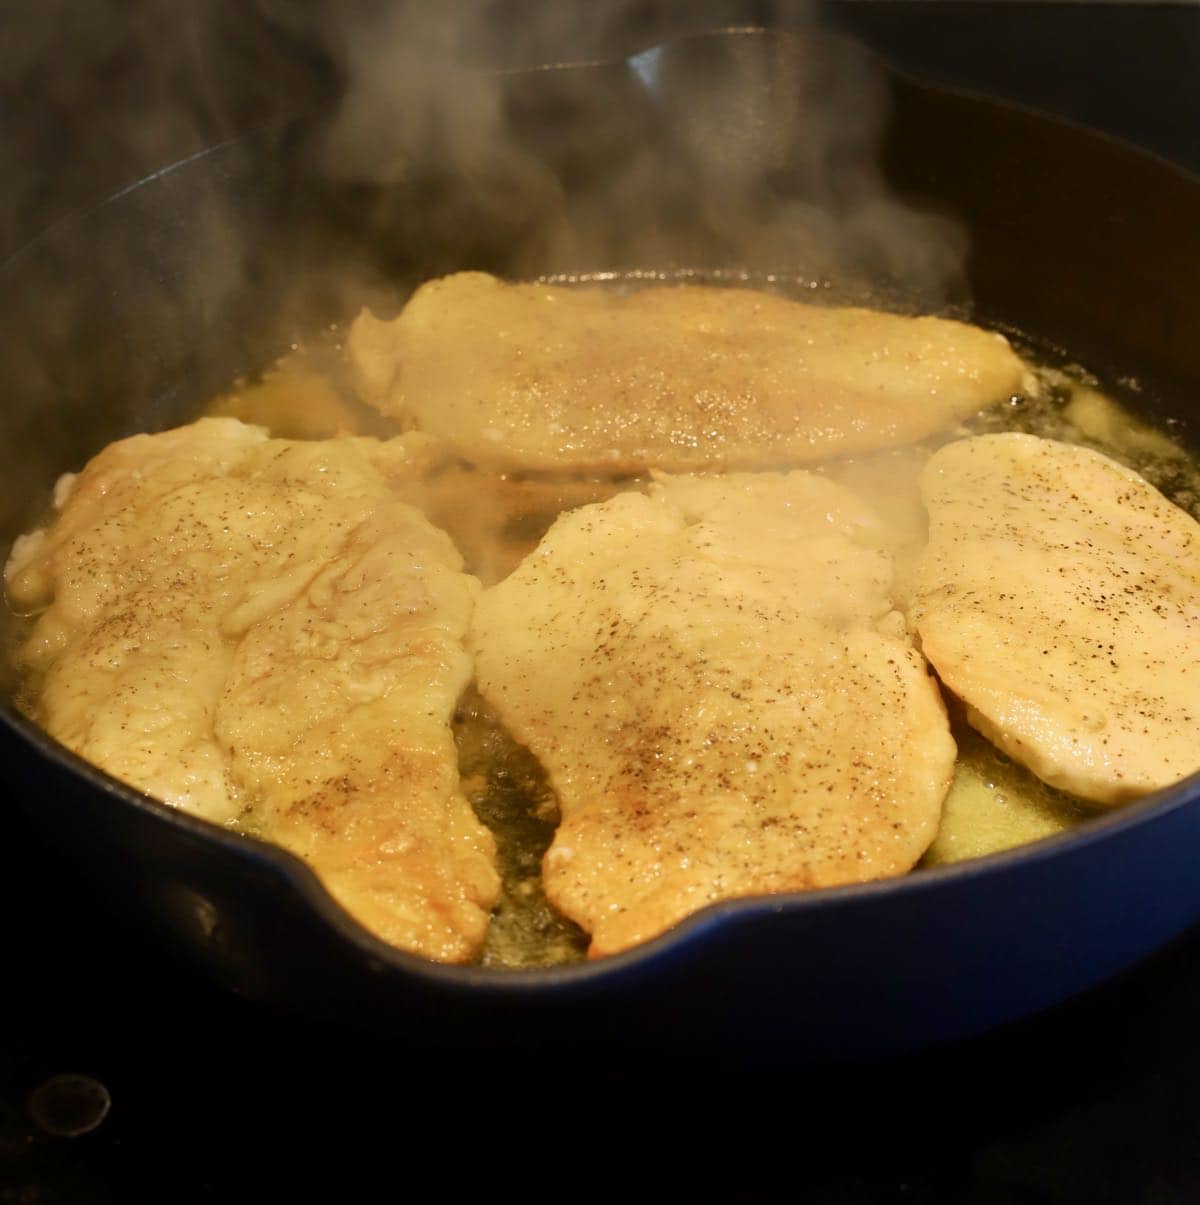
{"x":132,"y":315}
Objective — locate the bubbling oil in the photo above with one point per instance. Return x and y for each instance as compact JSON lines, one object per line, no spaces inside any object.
{"x":993,"y":804}
{"x":498,"y":518}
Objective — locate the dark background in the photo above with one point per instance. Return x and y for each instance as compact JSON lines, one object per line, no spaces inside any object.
{"x":218,"y":1098}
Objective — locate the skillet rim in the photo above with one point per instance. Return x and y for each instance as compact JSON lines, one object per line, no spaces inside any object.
{"x":566,"y":977}
{"x":680,"y":941}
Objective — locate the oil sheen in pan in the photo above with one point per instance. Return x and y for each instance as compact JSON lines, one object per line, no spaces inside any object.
{"x":993,"y":804}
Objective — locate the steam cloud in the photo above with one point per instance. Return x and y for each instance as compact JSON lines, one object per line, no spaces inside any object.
{"x":748,"y":154}
{"x":433,"y":151}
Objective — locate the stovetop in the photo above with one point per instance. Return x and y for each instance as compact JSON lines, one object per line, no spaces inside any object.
{"x":217,"y":1097}
{"x":1095,"y":1102}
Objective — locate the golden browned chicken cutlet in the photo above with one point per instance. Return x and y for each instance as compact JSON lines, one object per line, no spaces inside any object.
{"x":722,"y":696}
{"x":1059,"y":597}
{"x":258,"y":629}
{"x":678,"y":378}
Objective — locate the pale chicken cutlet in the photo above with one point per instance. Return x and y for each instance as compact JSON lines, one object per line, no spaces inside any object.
{"x":723,"y":698}
{"x":1059,"y":598}
{"x":260,"y":630}
{"x":713,"y":671}
{"x":680,"y":378}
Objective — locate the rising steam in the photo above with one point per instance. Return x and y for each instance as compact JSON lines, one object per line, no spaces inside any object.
{"x":759,"y":154}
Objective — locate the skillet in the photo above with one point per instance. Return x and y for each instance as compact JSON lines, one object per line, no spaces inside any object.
{"x":130,"y":316}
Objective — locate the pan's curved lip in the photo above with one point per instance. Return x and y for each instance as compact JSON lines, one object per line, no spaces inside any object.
{"x":961,"y":92}
{"x":766,"y":33}
{"x":675,"y":945}
{"x":73,"y":216}
{"x":722,"y":33}
{"x":652,"y":44}
{"x":684,"y":938}
{"x":1043,"y":117}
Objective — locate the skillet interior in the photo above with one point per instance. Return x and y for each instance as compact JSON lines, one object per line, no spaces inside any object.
{"x":130,"y":316}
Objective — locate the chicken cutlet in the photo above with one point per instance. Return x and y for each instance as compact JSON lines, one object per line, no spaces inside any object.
{"x":259,"y":630}
{"x":723,"y":698}
{"x":1059,"y":598}
{"x":678,"y":378}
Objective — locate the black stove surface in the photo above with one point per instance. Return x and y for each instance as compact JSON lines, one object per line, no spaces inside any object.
{"x":214,"y":1097}
{"x":217,"y":1097}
